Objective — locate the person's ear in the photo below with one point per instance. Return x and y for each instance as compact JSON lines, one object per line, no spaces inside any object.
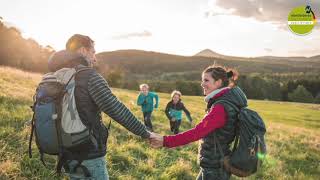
{"x":218,"y":83}
{"x":82,"y":50}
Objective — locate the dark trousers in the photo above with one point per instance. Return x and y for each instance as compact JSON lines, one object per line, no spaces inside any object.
{"x":213,"y":174}
{"x":174,"y":126}
{"x":147,"y":120}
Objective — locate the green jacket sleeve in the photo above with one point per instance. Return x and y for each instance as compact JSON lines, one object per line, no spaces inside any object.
{"x":141,"y":99}
{"x":167,"y":111}
{"x":187,"y":112}
{"x":157,"y":100}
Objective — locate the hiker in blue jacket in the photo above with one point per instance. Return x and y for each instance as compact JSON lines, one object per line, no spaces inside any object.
{"x":146,"y":101}
{"x":174,"y":111}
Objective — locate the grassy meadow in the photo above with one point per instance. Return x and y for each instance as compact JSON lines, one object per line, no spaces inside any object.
{"x":293,"y":138}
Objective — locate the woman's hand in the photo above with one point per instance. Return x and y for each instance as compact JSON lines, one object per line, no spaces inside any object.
{"x":156,"y":140}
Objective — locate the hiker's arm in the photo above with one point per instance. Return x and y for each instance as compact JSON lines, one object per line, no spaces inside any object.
{"x":141,"y":99}
{"x":167,"y":111}
{"x":109,"y":104}
{"x":187,"y":112}
{"x":215,"y":119}
{"x":157,"y":100}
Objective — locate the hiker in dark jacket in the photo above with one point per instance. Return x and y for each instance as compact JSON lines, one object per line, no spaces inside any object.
{"x":217,"y":125}
{"x":93,"y":95}
{"x":174,"y":111}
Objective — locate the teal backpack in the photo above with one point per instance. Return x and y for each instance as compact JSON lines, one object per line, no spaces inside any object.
{"x":249,"y":147}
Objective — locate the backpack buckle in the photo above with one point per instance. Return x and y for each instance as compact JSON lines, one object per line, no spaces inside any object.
{"x":252,"y":152}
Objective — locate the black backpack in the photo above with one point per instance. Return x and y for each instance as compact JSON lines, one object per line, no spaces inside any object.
{"x":249,"y":147}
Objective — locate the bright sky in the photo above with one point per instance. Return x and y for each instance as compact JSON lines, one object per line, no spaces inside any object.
{"x":182,"y":27}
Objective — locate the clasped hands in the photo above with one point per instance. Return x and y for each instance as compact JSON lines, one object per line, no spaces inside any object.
{"x":156,"y":140}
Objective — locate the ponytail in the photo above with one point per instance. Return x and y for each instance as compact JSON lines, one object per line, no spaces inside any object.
{"x":232,"y":76}
{"x":227,"y":75}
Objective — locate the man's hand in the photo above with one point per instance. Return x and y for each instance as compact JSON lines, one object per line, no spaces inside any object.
{"x":156,"y":140}
{"x":173,"y":119}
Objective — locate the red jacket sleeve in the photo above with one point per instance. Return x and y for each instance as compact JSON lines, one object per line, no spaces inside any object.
{"x":215,"y":119}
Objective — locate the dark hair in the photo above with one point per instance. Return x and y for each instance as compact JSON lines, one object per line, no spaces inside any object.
{"x":77,"y":41}
{"x":227,"y":75}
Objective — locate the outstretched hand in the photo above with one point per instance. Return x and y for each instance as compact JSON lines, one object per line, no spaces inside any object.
{"x":156,"y":140}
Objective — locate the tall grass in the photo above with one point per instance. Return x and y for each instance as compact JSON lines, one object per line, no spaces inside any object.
{"x":293,"y":138}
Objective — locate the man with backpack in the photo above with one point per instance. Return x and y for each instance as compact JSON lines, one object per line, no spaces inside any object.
{"x":92,"y":95}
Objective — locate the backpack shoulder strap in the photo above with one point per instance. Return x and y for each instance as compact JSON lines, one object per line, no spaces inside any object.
{"x":78,"y":69}
{"x":236,"y":141}
{"x":32,"y":129}
{"x":222,"y":101}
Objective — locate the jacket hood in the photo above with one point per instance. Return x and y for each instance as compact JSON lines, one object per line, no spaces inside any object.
{"x":236,"y":96}
{"x":65,"y":59}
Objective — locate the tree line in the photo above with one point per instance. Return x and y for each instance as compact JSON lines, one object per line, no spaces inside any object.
{"x":22,"y":53}
{"x":256,"y":86}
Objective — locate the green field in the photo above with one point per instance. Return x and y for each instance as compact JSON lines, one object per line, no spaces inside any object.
{"x":293,"y":138}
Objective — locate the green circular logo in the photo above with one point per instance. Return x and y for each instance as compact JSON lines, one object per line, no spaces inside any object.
{"x":301,"y":20}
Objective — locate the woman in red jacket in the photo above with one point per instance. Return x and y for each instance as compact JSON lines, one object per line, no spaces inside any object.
{"x":217,"y":124}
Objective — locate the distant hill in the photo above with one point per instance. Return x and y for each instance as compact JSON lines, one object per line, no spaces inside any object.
{"x":296,"y":58}
{"x":315,"y":58}
{"x":154,"y":63}
{"x":209,"y":53}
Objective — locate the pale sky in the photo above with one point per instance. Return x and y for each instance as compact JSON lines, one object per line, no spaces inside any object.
{"x":184,"y":27}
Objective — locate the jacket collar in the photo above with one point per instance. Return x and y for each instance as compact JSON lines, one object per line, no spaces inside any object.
{"x":216,"y":93}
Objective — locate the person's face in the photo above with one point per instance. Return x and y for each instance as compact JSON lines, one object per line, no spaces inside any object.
{"x":209,"y":84}
{"x":144,"y":90}
{"x":89,"y":54}
{"x":176,"y":98}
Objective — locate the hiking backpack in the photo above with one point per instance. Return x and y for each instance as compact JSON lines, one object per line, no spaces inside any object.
{"x":56,"y":123}
{"x":249,"y":148}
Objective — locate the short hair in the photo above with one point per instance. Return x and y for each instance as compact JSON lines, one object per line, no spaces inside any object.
{"x":176,"y":92}
{"x":77,"y":41}
{"x":144,"y":85}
